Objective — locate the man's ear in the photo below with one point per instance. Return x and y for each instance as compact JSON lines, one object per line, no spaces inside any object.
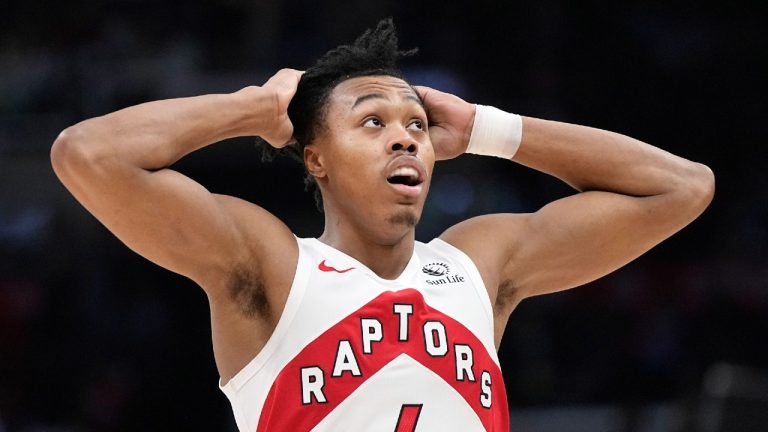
{"x":313,"y":160}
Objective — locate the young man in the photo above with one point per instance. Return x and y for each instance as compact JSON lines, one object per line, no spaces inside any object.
{"x":364,"y":328}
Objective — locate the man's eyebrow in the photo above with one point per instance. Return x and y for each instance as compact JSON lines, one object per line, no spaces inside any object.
{"x":369,"y":96}
{"x":363,"y":98}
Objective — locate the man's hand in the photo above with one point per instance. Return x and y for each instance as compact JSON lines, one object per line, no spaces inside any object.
{"x":278,"y":131}
{"x":450,"y":122}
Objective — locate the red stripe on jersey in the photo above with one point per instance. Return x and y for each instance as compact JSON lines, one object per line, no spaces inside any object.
{"x":409,"y":415}
{"x":283,"y":409}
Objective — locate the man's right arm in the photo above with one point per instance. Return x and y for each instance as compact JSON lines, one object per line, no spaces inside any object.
{"x":242,"y":256}
{"x":117,"y":167}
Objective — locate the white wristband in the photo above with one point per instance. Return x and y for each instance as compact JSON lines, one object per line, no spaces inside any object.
{"x":495,"y":133}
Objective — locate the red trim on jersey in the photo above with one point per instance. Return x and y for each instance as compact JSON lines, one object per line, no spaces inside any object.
{"x":409,"y":416}
{"x":283,"y":409}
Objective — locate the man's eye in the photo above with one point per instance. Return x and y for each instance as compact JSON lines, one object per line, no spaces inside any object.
{"x":416,"y":125}
{"x":373,"y":122}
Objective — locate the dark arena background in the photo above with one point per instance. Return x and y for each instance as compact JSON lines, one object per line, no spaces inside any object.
{"x":95,"y":338}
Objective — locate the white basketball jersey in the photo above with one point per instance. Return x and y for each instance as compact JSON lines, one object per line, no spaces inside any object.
{"x":355,"y":352}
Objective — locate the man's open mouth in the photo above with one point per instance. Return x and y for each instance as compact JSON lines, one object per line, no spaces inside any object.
{"x":405,"y":175}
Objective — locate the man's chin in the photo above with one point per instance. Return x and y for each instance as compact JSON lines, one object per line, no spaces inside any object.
{"x":408,"y":218}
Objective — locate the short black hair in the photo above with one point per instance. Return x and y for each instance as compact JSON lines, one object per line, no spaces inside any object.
{"x":375,"y":52}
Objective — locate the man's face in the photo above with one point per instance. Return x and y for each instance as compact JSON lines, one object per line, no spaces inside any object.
{"x":376,"y":154}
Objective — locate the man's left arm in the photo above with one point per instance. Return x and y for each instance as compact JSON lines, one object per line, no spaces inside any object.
{"x":632,"y":196}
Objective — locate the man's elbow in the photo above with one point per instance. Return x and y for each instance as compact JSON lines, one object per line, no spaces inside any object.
{"x":698,"y":187}
{"x":72,"y":151}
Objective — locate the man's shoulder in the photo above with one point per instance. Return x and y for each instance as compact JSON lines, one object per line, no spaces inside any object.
{"x":490,"y":241}
{"x":485,"y":231}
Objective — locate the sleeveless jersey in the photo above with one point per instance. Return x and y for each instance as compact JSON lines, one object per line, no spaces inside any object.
{"x":355,"y":352}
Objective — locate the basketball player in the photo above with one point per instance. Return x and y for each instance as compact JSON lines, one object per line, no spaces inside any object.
{"x":363,"y":328}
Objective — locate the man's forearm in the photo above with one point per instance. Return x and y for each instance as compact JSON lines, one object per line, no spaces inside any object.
{"x":156,"y":134}
{"x":594,"y":159}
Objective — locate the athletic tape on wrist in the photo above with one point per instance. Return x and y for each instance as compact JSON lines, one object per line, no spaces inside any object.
{"x":495,"y":133}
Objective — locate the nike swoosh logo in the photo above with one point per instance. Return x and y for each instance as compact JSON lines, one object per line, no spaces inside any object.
{"x":326,"y":268}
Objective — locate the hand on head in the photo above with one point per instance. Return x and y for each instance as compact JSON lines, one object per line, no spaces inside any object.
{"x":450,"y":122}
{"x":281,"y":86}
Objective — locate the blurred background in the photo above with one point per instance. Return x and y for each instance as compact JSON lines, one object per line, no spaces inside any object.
{"x":95,"y":338}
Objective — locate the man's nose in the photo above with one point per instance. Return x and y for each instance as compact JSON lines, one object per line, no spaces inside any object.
{"x":404,"y":143}
{"x":409,"y":147}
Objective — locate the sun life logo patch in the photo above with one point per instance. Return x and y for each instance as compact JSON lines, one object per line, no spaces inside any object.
{"x":436,"y":269}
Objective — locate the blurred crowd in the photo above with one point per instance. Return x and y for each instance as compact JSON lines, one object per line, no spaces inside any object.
{"x":93,"y":337}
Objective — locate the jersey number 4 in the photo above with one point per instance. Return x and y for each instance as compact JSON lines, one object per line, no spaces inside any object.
{"x":409,"y":416}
